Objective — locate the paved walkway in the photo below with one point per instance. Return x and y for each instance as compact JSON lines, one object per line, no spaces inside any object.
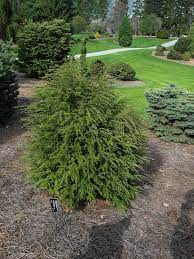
{"x":112,"y":51}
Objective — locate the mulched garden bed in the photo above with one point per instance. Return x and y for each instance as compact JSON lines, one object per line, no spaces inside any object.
{"x":158,"y":224}
{"x":182,"y":62}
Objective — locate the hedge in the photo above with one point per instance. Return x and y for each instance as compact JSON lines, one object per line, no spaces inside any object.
{"x":43,"y":46}
{"x":8,"y":83}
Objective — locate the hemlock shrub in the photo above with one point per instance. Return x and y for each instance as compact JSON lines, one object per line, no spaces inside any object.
{"x":160,"y":50}
{"x":186,"y":56}
{"x":183,"y":44}
{"x":43,"y":46}
{"x":171,"y":111}
{"x":87,"y":143}
{"x":163,"y":34}
{"x":97,"y":68}
{"x":8,"y":83}
{"x":174,"y":55}
{"x":122,"y":71}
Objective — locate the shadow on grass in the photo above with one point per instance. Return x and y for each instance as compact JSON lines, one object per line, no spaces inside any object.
{"x":105,"y":241}
{"x":182,"y":245}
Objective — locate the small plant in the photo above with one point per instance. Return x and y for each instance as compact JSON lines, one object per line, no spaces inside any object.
{"x":174,"y":55}
{"x":125,"y":33}
{"x":91,"y":37}
{"x":186,"y":56}
{"x":43,"y":46}
{"x":122,"y":71}
{"x":97,"y":35}
{"x":8,"y":83}
{"x":163,"y":34}
{"x":160,"y":50}
{"x":183,"y":44}
{"x":87,"y":143}
{"x":97,"y":68}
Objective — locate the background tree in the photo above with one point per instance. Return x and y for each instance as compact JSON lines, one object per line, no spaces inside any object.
{"x":120,"y":10}
{"x":79,"y":24}
{"x":138,"y":12}
{"x":150,"y":24}
{"x":6,"y":16}
{"x":125,"y":33}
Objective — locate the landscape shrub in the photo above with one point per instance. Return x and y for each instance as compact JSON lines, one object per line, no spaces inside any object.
{"x":8,"y":83}
{"x":97,"y":35}
{"x":97,"y":68}
{"x":186,"y":56}
{"x":122,"y":71}
{"x":163,"y":34}
{"x":91,"y":37}
{"x":79,"y":24}
{"x":175,"y":55}
{"x":43,"y":46}
{"x":171,"y":112}
{"x":125,"y":35}
{"x":183,"y":44}
{"x":87,"y":143}
{"x":160,"y":50}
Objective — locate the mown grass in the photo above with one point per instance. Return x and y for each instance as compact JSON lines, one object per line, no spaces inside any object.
{"x":154,"y":72}
{"x":107,"y":44}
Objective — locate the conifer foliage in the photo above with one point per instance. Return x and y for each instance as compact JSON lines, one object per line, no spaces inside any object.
{"x":172,"y":114}
{"x":87,"y":143}
{"x":8,"y":83}
{"x":125,"y":33}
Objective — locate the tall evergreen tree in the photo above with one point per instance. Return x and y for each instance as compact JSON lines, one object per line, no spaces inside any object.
{"x":125,"y":33}
{"x":6,"y":15}
{"x":120,"y":10}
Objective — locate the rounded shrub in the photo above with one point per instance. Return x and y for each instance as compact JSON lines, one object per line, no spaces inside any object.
{"x":125,"y":35}
{"x":97,"y":68}
{"x":183,"y":44}
{"x":175,"y":55}
{"x":87,"y":143}
{"x":122,"y":71}
{"x":160,"y":50}
{"x":91,"y":37}
{"x":8,"y":83}
{"x":43,"y":46}
{"x":163,"y":34}
{"x":171,"y":112}
{"x":186,"y":56}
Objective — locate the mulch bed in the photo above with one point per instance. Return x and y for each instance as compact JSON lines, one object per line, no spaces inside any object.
{"x":182,"y":62}
{"x":158,"y":224}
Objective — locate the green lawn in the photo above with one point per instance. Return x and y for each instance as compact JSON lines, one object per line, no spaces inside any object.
{"x":106,"y":44}
{"x":154,"y":72}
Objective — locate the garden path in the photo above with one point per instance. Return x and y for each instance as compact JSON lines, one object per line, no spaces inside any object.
{"x":113,"y":51}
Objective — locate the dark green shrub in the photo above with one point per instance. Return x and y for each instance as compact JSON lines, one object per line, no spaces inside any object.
{"x":186,"y":56}
{"x":91,"y":37}
{"x":122,"y":71}
{"x":97,"y":68}
{"x":175,"y":55}
{"x":43,"y":46}
{"x":8,"y":83}
{"x":163,"y":34}
{"x":87,"y":143}
{"x":160,"y":50}
{"x":183,"y":44}
{"x":171,"y":112}
{"x":125,"y":35}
